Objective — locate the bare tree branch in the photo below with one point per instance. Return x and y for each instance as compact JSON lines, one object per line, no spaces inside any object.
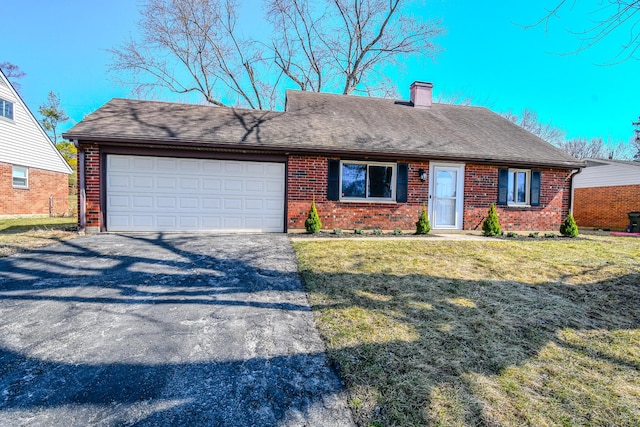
{"x":618,"y":16}
{"x":192,"y":46}
{"x":13,"y":73}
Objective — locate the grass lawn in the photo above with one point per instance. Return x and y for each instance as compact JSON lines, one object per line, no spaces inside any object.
{"x":18,"y":234}
{"x":481,"y":333}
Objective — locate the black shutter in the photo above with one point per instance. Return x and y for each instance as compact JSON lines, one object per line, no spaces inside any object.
{"x":333,"y":182}
{"x":536,"y":178}
{"x":503,"y":185}
{"x":402,"y":181}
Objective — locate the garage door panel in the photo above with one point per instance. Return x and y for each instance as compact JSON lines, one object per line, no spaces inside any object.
{"x":142,"y":182}
{"x":189,"y":183}
{"x":143,"y":163}
{"x":253,"y":204}
{"x":164,"y":194}
{"x":142,"y":202}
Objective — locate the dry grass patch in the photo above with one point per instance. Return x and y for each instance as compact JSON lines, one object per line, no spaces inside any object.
{"x":507,"y":333}
{"x":19,"y":234}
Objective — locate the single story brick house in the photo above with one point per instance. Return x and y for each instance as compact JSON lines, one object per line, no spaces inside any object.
{"x":34,"y":177}
{"x":605,"y":192}
{"x":367,"y":162}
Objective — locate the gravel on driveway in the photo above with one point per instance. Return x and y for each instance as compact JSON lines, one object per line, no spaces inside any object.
{"x":162,"y":329}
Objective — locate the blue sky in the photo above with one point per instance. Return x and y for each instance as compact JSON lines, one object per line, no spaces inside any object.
{"x":487,"y":55}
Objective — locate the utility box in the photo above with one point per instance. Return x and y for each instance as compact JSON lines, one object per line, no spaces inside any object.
{"x":634,"y":222}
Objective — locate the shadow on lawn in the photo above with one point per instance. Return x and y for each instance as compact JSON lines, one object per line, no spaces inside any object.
{"x":161,"y":330}
{"x":423,"y":339}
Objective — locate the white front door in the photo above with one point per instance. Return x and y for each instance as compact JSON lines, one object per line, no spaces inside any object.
{"x":447,"y":189}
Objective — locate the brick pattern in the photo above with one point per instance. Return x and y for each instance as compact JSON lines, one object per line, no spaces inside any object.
{"x":43,"y":184}
{"x":606,"y":207}
{"x":92,"y":186}
{"x":481,"y":190}
{"x":307,"y":181}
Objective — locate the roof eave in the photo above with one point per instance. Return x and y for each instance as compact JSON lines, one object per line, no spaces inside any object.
{"x":326,"y":151}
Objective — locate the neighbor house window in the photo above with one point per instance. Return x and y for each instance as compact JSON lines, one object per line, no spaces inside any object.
{"x":20,"y":176}
{"x":519,"y":187}
{"x":360,"y":180}
{"x":6,"y":109}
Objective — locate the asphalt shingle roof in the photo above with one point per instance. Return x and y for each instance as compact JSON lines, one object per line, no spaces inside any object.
{"x":328,"y":124}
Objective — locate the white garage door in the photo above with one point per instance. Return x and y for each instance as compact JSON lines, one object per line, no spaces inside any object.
{"x":172,"y":194}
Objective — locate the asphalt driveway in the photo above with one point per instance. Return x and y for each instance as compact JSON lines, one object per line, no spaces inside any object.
{"x":156,"y":329}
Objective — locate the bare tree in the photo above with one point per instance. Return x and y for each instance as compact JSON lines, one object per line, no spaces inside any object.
{"x":616,"y":16}
{"x":194,"y":46}
{"x":337,"y":45}
{"x":528,"y":120}
{"x":13,"y":73}
{"x":340,"y":44}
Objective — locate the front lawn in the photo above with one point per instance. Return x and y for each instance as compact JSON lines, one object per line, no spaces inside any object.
{"x":18,"y":234}
{"x":481,"y":333}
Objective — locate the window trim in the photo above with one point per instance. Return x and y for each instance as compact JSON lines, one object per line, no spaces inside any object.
{"x":26,"y":177}
{"x":394,"y":179}
{"x":13,"y":112}
{"x":527,"y":190}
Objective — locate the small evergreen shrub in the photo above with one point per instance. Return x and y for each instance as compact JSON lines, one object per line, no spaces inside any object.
{"x":491,"y":224}
{"x":534,"y":235}
{"x":313,"y":223}
{"x":550,"y":235}
{"x":377,"y":232}
{"x":358,"y":231}
{"x":338,"y":231}
{"x":397,"y":232}
{"x":569,"y":228}
{"x":422,"y":225}
{"x":512,"y":235}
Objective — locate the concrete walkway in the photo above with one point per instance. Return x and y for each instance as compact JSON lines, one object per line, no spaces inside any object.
{"x":146,"y":330}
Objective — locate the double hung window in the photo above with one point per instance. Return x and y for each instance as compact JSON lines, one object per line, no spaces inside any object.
{"x":6,"y":109}
{"x":20,"y":177}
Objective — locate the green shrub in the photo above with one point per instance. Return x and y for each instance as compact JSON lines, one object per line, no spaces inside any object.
{"x":534,"y":234}
{"x":377,"y":232}
{"x":358,"y":231}
{"x":550,"y":235}
{"x":512,"y":234}
{"x":569,"y":228}
{"x":491,"y":224}
{"x":397,"y":232}
{"x":422,"y":225}
{"x":338,"y":231}
{"x":313,"y":223}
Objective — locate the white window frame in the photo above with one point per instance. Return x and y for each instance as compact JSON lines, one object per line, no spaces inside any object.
{"x":25,"y":177}
{"x":13,"y":111}
{"x":527,"y":189}
{"x":394,"y":175}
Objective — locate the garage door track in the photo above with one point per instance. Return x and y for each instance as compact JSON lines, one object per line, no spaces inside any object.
{"x":156,"y":329}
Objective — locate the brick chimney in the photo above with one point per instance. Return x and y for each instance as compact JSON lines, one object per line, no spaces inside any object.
{"x":421,"y":93}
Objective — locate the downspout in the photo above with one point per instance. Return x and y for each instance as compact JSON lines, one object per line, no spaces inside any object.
{"x":571,"y":189}
{"x":82,"y":198}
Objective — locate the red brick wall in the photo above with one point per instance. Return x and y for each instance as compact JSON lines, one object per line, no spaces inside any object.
{"x":34,"y":200}
{"x":606,"y":207}
{"x":307,"y":180}
{"x":92,"y":186}
{"x":481,"y":189}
